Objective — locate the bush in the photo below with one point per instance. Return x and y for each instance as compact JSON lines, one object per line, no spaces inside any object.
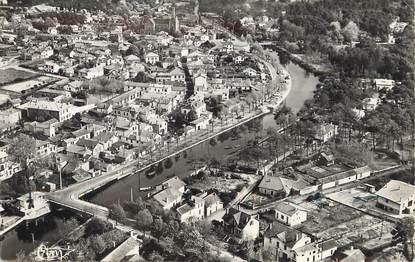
{"x":97,"y":227}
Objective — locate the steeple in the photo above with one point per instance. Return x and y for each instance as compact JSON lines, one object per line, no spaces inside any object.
{"x":196,"y":9}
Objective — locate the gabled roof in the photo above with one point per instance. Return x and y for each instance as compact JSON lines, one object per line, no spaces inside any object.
{"x":211,"y":199}
{"x":119,"y":254}
{"x":90,"y":144}
{"x":176,"y":71}
{"x":240,"y":218}
{"x":174,"y":182}
{"x":167,"y":196}
{"x":287,"y":235}
{"x":132,"y":58}
{"x":271,"y":183}
{"x":152,"y":54}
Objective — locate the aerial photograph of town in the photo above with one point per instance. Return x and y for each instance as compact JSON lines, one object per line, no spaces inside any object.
{"x":207,"y":130}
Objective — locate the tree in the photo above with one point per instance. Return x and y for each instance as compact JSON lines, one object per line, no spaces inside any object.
{"x":141,"y":77}
{"x":158,"y":228}
{"x":168,"y":163}
{"x":406,"y":231}
{"x":191,"y":115}
{"x":144,"y":219}
{"x":97,"y":226}
{"x":22,"y":149}
{"x":267,"y":255}
{"x":66,"y":226}
{"x":133,"y":207}
{"x":351,"y":32}
{"x":117,"y":213}
{"x":97,"y":244}
{"x":155,"y":256}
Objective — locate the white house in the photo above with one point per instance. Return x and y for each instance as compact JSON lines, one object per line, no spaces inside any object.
{"x":396,"y":197}
{"x":10,"y":116}
{"x":370,"y":103}
{"x":152,"y":58}
{"x":290,"y":215}
{"x":325,"y":132}
{"x":292,"y":245}
{"x":242,"y":226}
{"x":212,"y":203}
{"x":200,"y":82}
{"x":51,"y":67}
{"x":191,"y":210}
{"x":281,"y":240}
{"x":384,"y":84}
{"x":90,"y":73}
{"x":169,"y":193}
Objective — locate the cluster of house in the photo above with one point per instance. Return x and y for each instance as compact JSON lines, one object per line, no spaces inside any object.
{"x":172,"y":195}
{"x":323,"y":173}
{"x":282,"y":237}
{"x":156,"y":59}
{"x":380,"y":87}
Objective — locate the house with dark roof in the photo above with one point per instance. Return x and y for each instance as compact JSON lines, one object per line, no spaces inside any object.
{"x":292,"y":245}
{"x":242,"y":226}
{"x":92,"y":145}
{"x":281,"y":240}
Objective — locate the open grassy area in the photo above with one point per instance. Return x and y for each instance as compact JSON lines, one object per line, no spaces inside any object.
{"x":12,"y":75}
{"x":222,"y":184}
{"x":321,"y":219}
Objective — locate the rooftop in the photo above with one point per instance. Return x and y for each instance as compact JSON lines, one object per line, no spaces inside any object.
{"x":396,"y":191}
{"x":286,"y":208}
{"x":122,"y":251}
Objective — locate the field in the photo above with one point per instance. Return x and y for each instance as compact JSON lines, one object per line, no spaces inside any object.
{"x":225,"y":183}
{"x":346,"y":225}
{"x":25,"y":85}
{"x":12,"y":75}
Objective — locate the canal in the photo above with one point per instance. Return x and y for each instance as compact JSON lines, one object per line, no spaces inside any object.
{"x":27,"y":236}
{"x":303,"y":85}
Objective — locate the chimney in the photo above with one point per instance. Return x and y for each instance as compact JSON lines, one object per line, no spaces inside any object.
{"x":351,"y":248}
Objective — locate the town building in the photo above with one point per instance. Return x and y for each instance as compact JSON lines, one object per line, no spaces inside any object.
{"x":41,"y":110}
{"x":396,"y":197}
{"x":241,"y":226}
{"x":289,"y":215}
{"x":129,"y":250}
{"x":289,"y":244}
{"x":191,"y":210}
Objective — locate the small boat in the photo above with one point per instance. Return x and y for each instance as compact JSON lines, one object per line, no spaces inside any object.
{"x":236,"y":146}
{"x":227,"y":147}
{"x":151,"y":174}
{"x":147,"y":188}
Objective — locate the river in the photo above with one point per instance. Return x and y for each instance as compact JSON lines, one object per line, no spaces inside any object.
{"x":303,"y":85}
